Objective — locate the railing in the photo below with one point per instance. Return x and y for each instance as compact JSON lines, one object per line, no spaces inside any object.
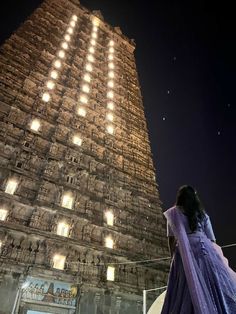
{"x":145,"y":297}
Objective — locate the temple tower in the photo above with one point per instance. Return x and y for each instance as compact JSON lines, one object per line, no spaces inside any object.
{"x":79,"y":199}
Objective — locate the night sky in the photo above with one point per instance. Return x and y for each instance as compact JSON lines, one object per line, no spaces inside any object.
{"x":186,"y":63}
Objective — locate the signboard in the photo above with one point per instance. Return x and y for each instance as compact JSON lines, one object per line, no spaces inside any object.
{"x":45,"y":291}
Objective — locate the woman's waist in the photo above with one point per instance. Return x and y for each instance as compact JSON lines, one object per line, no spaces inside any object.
{"x":196,"y":234}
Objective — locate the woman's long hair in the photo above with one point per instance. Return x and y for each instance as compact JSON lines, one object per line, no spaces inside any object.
{"x":188,"y":200}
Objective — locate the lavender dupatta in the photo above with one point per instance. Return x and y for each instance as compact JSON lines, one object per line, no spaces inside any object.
{"x":201,"y":298}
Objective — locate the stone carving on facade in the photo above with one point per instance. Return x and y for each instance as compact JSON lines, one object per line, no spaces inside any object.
{"x":7,"y":245}
{"x":41,"y":253}
{"x":16,"y":249}
{"x":86,"y":232}
{"x":96,"y":235}
{"x":77,"y":230}
{"x":72,"y":260}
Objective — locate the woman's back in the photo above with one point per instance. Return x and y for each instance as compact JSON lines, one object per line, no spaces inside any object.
{"x":203,"y":226}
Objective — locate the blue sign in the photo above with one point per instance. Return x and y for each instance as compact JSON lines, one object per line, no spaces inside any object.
{"x":35,"y":289}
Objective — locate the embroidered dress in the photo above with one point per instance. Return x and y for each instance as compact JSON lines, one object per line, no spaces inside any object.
{"x":200,"y":280}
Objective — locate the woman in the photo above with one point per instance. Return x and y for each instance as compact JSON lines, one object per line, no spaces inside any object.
{"x":200,"y":280}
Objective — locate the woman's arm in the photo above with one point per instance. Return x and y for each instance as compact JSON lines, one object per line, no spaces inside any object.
{"x":208,"y":229}
{"x":172,"y":244}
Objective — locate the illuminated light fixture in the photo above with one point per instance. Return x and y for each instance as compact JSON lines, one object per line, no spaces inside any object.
{"x":54,"y":74}
{"x":95,"y":28}
{"x":110,"y":94}
{"x":91,"y":49}
{"x":11,"y":186}
{"x":95,"y":21}
{"x":110,"y":105}
{"x":67,"y":37}
{"x":110,"y":273}
{"x":110,"y":57}
{"x":74,"y":17}
{"x":35,"y":125}
{"x":59,"y":261}
{"x":89,"y":67}
{"x":87,"y":77}
{"x":83,"y":99}
{"x":111,"y":74}
{"x":64,"y":45}
{"x":110,"y":117}
{"x":109,"y":218}
{"x":93,"y":42}
{"x":3,"y":214}
{"x":111,"y":50}
{"x":0,"y":245}
{"x":110,"y":84}
{"x":46,"y":97}
{"x":111,"y":43}
{"x":81,"y":112}
{"x":90,"y":58}
{"x":109,"y":243}
{"x":85,"y":88}
{"x":110,"y":129}
{"x":63,"y":229}
{"x":94,"y":35}
{"x":77,"y":140}
{"x":67,"y":201}
{"x":111,"y":65}
{"x":72,"y":23}
{"x":70,"y":30}
{"x":57,"y":64}
{"x":61,"y":54}
{"x":50,"y":84}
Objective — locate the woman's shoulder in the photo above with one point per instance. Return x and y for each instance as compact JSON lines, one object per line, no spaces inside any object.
{"x":206,"y":217}
{"x":171,"y":211}
{"x":176,"y":209}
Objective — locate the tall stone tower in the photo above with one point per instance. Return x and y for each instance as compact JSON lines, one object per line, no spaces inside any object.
{"x":79,"y":201}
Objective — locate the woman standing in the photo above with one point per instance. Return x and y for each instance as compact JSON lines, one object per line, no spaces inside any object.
{"x":200,"y":280}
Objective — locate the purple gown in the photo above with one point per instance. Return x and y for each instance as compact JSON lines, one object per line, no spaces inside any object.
{"x":200,"y":280}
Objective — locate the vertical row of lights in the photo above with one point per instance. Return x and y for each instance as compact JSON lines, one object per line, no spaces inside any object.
{"x":86,"y":85}
{"x":67,"y":199}
{"x":109,"y":242}
{"x":57,"y":65}
{"x":83,"y":99}
{"x":110,"y":88}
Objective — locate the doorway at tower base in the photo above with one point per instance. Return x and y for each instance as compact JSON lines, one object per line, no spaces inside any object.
{"x":48,"y":296}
